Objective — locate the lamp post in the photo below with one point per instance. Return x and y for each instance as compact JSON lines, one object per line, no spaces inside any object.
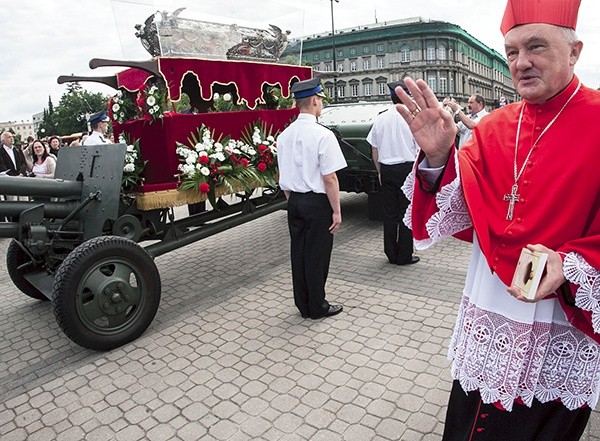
{"x":334,"y":59}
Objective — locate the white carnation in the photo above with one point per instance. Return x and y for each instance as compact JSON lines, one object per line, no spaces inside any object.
{"x":129,"y":168}
{"x":227,"y":97}
{"x":151,"y":101}
{"x":205,"y":171}
{"x":115,"y":107}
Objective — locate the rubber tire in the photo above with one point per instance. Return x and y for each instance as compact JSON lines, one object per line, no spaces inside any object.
{"x":65,"y":291}
{"x":15,"y":257}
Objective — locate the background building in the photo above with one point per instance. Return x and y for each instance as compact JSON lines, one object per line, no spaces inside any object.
{"x":367,"y":57}
{"x":23,"y":128}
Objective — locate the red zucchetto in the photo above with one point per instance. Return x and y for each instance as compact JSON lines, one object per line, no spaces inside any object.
{"x":556,"y":12}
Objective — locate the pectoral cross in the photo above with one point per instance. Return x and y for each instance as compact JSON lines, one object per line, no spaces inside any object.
{"x":512,"y":199}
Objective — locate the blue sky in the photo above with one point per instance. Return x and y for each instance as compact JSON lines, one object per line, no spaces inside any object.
{"x":41,"y":40}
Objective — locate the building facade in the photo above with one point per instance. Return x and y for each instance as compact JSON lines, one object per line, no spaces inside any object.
{"x":358,"y":63}
{"x":23,"y":128}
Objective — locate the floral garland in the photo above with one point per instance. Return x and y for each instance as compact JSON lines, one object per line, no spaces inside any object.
{"x":227,"y":165}
{"x":133,"y":166}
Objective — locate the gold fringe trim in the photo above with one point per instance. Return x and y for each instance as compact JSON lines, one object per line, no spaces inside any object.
{"x":167,"y":199}
{"x":175,"y":198}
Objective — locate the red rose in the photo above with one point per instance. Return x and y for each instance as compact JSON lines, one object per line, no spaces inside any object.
{"x":262,"y":148}
{"x":261,"y":166}
{"x":203,"y":159}
{"x":244,"y":162}
{"x":204,"y":188}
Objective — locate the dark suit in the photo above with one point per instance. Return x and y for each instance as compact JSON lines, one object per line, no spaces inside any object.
{"x":7,"y":164}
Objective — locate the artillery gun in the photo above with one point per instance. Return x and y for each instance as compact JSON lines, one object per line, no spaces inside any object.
{"x":82,"y":249}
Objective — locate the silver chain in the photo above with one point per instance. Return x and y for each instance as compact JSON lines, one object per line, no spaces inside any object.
{"x":517,"y":176}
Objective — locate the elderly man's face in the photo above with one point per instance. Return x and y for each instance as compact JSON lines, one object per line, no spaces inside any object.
{"x":540,"y":59}
{"x":8,"y":139}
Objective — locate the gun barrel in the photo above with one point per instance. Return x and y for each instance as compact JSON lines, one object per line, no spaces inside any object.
{"x":57,"y":188}
{"x":52,"y":210}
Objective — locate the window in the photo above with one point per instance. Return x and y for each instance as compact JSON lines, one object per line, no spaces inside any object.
{"x":316,"y":57}
{"x":316,"y":67}
{"x":430,"y":52}
{"x":329,"y":90}
{"x":443,"y":85}
{"x":328,"y":67}
{"x":431,"y":81}
{"x":442,"y":52}
{"x":341,"y":91}
{"x":404,"y":54}
{"x":383,"y":89}
{"x":353,"y":51}
{"x":340,"y":67}
{"x":366,"y":49}
{"x":340,"y":53}
{"x":380,"y":62}
{"x":366,"y":64}
{"x":354,"y":89}
{"x":380,"y":47}
{"x":353,"y":65}
{"x":328,"y":55}
{"x":368,"y":89}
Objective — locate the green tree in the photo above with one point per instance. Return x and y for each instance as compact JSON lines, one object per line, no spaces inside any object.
{"x":48,"y":125}
{"x":70,"y":114}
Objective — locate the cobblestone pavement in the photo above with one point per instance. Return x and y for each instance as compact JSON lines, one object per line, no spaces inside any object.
{"x":229,"y":358}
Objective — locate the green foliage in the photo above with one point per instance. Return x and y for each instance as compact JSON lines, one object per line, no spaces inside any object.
{"x":69,"y":115}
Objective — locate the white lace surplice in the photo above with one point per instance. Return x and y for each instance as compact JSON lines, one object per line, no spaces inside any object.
{"x":506,"y":348}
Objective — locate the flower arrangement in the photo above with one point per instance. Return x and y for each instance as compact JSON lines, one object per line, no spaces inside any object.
{"x":121,"y":108}
{"x":265,"y":147}
{"x":152,"y":102}
{"x":133,"y":166}
{"x":215,"y":167}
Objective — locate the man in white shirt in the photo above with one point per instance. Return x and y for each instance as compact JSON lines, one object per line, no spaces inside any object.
{"x":99,"y":124}
{"x":466,"y":123}
{"x":308,"y":155}
{"x":394,"y":150}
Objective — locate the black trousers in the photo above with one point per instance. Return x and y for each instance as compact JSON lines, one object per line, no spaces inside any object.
{"x":469,"y":419}
{"x":397,"y":238}
{"x":309,"y":219}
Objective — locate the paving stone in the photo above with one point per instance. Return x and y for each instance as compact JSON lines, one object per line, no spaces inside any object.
{"x":229,"y":357}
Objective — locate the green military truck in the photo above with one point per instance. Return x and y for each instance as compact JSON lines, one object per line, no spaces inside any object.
{"x":351,"y":123}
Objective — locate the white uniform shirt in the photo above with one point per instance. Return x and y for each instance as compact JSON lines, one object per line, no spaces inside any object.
{"x":306,"y":151}
{"x":96,"y":138}
{"x":463,"y":132}
{"x":392,"y":138}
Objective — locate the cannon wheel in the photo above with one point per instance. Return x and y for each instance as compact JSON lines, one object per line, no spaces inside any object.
{"x":106,"y":293}
{"x":18,"y":264}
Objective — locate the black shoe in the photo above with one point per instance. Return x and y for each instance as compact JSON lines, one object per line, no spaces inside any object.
{"x":414,"y":259}
{"x":333,"y":310}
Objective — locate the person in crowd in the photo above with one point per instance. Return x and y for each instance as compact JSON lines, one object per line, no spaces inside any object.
{"x":523,"y":369}
{"x":465,"y":123}
{"x":308,"y":156}
{"x":99,"y":124}
{"x":394,"y":150}
{"x":55,"y":145}
{"x":43,"y":164}
{"x":12,"y":160}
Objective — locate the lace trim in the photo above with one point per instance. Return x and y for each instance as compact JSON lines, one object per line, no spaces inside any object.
{"x":587,"y":297}
{"x":452,"y":217}
{"x":506,"y":359}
